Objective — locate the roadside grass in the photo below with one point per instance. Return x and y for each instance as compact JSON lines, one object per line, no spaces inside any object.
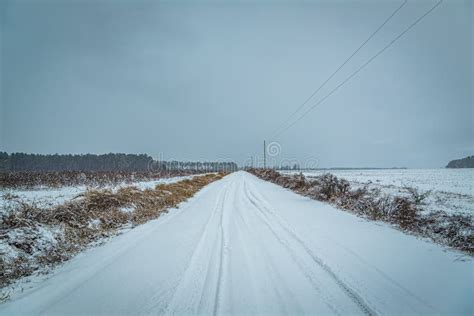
{"x":403,"y":212}
{"x":29,"y":179}
{"x":35,"y":238}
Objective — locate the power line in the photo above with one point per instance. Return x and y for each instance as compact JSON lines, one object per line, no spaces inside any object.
{"x":361,"y":67}
{"x":340,"y":67}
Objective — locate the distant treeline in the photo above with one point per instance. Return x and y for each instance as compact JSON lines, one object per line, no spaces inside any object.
{"x":467,"y":162}
{"x":193,"y":165}
{"x":107,"y":162}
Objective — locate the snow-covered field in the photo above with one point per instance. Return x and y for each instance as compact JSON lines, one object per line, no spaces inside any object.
{"x":245,"y":246}
{"x":452,"y":190}
{"x":45,"y":196}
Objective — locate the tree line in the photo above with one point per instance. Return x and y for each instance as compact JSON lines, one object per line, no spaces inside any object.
{"x":106,"y":162}
{"x":467,"y":162}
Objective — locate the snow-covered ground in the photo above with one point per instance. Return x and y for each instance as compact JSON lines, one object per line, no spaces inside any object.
{"x":245,"y":246}
{"x":452,"y":190}
{"x":45,"y":196}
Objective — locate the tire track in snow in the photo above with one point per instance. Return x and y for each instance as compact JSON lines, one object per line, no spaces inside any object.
{"x":247,"y":259}
{"x":304,"y":268}
{"x":267,"y":213}
{"x":223,"y":256}
{"x":192,"y":287}
{"x":279,"y":286}
{"x":391,"y":286}
{"x":103,"y":264}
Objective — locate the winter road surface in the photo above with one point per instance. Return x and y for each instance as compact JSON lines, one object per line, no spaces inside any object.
{"x":245,"y":246}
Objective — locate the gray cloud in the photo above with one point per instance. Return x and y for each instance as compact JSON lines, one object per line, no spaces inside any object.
{"x":202,"y":80}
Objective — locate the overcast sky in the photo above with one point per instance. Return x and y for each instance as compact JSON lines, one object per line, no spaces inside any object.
{"x":210,"y":81}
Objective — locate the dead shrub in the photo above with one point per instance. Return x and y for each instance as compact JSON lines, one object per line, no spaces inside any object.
{"x":329,"y":187}
{"x":415,"y":195}
{"x":19,"y":267}
{"x":405,"y":212}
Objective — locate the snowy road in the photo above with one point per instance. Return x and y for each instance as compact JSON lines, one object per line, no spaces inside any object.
{"x":246,"y":246}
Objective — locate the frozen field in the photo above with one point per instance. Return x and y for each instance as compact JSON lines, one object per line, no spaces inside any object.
{"x":452,"y":190}
{"x":45,"y":196}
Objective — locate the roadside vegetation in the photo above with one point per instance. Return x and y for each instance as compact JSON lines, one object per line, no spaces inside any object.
{"x":29,"y":179}
{"x":34,"y":238}
{"x":403,"y":212}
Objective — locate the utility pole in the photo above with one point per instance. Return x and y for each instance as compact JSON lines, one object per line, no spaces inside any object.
{"x":264,"y":155}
